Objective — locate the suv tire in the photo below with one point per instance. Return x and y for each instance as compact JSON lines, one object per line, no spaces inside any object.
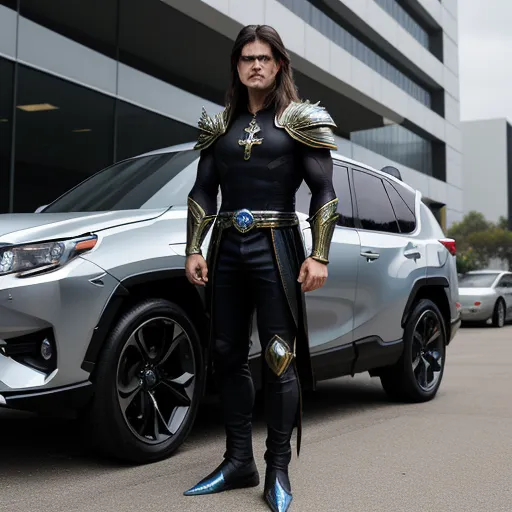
{"x":167,"y":393}
{"x":417,"y":375}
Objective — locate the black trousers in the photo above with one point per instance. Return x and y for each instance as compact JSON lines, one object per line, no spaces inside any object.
{"x":246,"y":280}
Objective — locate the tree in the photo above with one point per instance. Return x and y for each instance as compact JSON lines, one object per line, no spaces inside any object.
{"x":479,"y":241}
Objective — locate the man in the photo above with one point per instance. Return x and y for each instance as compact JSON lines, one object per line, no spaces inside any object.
{"x":259,"y":150}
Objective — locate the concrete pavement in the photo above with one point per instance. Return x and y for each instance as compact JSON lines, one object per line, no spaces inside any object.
{"x":359,"y":452}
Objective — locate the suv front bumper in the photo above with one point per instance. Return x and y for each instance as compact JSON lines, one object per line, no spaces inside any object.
{"x":62,"y":307}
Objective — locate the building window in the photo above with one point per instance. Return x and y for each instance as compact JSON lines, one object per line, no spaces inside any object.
{"x":6,"y":89}
{"x":329,"y":28}
{"x":139,"y":131}
{"x":9,"y":3}
{"x":396,"y":11}
{"x":64,"y":133}
{"x":398,"y":144}
{"x":92,"y":23}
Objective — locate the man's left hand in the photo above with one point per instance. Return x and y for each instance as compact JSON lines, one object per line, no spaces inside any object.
{"x":313,"y":275}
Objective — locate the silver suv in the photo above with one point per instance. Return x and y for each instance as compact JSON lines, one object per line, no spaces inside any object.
{"x":96,"y":315}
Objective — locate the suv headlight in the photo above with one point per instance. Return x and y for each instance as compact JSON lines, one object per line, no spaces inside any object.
{"x":35,"y":258}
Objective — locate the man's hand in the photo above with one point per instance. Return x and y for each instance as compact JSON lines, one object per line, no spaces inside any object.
{"x":196,"y":269}
{"x":312,"y":275}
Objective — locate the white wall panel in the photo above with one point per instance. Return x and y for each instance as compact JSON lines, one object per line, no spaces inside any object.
{"x":7,"y":32}
{"x":318,"y":48}
{"x":290,"y":27}
{"x":450,"y":25}
{"x":248,"y":13}
{"x":50,"y":51}
{"x":451,"y":55}
{"x":452,"y":109}
{"x":161,"y":97}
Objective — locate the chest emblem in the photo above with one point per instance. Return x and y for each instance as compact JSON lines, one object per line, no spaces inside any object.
{"x":250,"y":140}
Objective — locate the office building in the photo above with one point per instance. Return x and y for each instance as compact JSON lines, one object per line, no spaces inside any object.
{"x":84,"y":83}
{"x":487,"y":162}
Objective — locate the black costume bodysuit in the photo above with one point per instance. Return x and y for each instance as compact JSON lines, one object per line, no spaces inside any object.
{"x":254,"y":259}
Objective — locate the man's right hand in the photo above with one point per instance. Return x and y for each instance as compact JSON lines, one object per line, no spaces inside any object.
{"x":196,"y":269}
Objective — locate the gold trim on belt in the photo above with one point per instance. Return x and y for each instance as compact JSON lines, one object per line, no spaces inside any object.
{"x":244,"y":220}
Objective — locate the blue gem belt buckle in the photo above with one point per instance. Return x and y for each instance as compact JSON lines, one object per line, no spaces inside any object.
{"x":243,"y":220}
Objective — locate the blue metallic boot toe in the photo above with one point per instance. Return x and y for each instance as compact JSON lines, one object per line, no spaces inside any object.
{"x":277,"y":492}
{"x":226,"y":477}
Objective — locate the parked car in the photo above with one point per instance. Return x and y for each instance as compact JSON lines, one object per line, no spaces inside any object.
{"x":486,"y":296}
{"x":96,"y":314}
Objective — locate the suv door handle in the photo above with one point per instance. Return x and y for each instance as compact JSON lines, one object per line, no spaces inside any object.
{"x":412,"y":253}
{"x":370,"y":255}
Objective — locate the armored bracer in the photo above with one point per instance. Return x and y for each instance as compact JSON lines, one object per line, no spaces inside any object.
{"x":198,"y":224}
{"x":322,"y":225}
{"x":308,"y":123}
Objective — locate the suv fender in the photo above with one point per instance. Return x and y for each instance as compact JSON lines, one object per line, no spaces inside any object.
{"x":429,"y":287}
{"x":124,"y":295}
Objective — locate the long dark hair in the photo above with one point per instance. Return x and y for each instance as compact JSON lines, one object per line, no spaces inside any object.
{"x":284,"y":90}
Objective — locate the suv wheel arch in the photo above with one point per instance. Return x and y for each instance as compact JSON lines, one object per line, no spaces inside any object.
{"x":140,"y":286}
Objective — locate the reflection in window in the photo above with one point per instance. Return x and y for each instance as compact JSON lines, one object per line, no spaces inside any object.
{"x":405,"y":217}
{"x":150,"y":182}
{"x":330,"y":29}
{"x":64,"y":133}
{"x":92,"y":23}
{"x":398,"y":144}
{"x":374,"y":209}
{"x":6,"y":83}
{"x":139,"y":131}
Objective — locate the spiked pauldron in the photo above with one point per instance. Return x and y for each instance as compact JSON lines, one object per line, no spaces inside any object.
{"x":308,"y":123}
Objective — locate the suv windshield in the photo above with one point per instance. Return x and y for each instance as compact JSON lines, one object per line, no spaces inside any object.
{"x":157,"y":181}
{"x":477,"y":280}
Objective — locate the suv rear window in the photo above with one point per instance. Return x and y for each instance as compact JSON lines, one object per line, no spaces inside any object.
{"x":405,"y":217}
{"x":373,"y":204}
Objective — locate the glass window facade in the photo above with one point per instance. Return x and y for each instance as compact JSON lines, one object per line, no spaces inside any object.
{"x":398,"y":144}
{"x":92,"y":23}
{"x":56,"y":131}
{"x":313,"y":16}
{"x":393,"y":8}
{"x":63,"y":133}
{"x":9,"y":3}
{"x":6,"y":90}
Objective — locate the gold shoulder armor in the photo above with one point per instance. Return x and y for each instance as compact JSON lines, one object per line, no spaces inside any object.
{"x":308,"y":123}
{"x":210,"y":128}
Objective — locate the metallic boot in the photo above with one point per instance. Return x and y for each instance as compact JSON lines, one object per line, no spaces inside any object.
{"x":228,"y":475}
{"x":277,"y":493}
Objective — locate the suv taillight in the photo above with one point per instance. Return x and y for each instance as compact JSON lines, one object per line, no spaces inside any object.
{"x":449,"y":243}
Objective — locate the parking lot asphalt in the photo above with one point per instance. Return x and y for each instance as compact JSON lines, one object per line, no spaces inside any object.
{"x":360,"y":452}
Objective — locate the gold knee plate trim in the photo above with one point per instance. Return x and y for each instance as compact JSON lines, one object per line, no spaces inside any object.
{"x":278,"y":355}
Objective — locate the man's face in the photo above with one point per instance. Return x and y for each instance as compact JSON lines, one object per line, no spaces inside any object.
{"x":257,"y":67}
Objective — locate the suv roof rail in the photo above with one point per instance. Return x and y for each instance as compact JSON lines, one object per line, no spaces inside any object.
{"x":393,"y":171}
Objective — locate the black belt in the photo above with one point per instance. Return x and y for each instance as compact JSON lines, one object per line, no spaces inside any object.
{"x":245,"y":220}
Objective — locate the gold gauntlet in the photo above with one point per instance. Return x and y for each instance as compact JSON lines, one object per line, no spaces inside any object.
{"x":198,"y":224}
{"x":322,"y":229}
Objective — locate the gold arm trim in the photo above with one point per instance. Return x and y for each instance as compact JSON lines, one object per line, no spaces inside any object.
{"x":198,"y":224}
{"x":322,"y":229}
{"x":211,"y":128}
{"x":308,"y":123}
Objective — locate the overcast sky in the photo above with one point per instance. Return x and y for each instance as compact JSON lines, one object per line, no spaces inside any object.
{"x":485,"y":64}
